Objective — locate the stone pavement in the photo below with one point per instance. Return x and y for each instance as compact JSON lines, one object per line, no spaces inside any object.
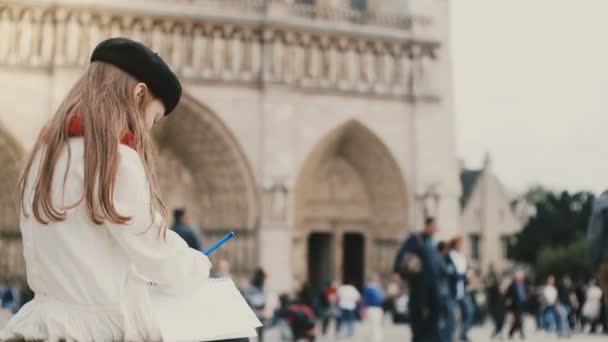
{"x":401,"y":333}
{"x":398,"y":333}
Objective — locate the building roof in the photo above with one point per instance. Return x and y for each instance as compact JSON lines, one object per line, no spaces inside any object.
{"x":468,"y":179}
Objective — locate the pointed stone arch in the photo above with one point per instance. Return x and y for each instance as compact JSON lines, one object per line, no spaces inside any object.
{"x":202,"y":167}
{"x":365,"y":162}
{"x":12,"y":263}
{"x":350,"y":183}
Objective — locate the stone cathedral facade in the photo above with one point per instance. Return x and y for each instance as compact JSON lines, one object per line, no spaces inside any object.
{"x":320,"y":131}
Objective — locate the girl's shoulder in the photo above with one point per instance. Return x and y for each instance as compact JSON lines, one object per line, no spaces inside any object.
{"x":129,"y":161}
{"x":129,"y":156}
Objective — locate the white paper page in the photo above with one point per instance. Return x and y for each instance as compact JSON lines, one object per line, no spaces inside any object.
{"x":216,"y":311}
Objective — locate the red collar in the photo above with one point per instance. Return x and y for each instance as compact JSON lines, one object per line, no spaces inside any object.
{"x":76,"y":129}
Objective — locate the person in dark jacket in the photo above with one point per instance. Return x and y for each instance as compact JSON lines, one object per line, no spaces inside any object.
{"x":182,"y":227}
{"x":496,"y":304}
{"x":255,"y":296}
{"x":424,"y":303}
{"x":516,"y":299}
{"x":568,"y":302}
{"x":597,"y":240}
{"x":447,"y":321}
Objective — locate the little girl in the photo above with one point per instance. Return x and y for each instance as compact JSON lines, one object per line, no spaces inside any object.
{"x":95,"y":237}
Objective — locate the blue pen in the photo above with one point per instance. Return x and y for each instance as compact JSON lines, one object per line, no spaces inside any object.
{"x":219,"y":243}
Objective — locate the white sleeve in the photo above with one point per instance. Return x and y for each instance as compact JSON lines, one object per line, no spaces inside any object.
{"x":166,"y":261}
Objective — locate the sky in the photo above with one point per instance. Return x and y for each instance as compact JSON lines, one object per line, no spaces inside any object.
{"x":531,"y":89}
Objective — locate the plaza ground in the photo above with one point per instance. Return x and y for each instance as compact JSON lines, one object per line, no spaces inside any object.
{"x":396,"y":333}
{"x":401,"y":333}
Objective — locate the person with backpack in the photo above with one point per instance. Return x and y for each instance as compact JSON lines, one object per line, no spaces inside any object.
{"x":302,"y":320}
{"x":416,"y":263}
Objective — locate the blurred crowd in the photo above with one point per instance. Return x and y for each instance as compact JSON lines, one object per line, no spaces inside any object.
{"x":436,"y":292}
{"x":433,"y":289}
{"x":447,"y":298}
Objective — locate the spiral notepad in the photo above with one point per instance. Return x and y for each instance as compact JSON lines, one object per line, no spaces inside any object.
{"x":216,"y":310}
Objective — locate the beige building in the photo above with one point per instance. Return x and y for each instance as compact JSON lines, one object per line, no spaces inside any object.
{"x":489,"y":218}
{"x":321,"y":132}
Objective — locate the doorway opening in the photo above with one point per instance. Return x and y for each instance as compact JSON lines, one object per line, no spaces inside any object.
{"x":353,"y":259}
{"x":319,"y":260}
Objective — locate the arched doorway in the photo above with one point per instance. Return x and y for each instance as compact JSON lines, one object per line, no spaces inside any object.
{"x":202,"y":167}
{"x":12,"y":263}
{"x":350,"y":208}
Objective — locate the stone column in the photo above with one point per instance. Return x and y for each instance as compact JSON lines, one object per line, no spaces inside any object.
{"x":337,"y":248}
{"x":370,"y":255}
{"x":275,"y":240}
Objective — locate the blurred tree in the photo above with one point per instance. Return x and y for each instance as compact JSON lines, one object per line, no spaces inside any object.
{"x":558,"y":221}
{"x":570,"y":260}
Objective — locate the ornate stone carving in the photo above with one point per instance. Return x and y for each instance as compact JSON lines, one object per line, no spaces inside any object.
{"x":228,"y":51}
{"x":12,"y":264}
{"x":275,"y":200}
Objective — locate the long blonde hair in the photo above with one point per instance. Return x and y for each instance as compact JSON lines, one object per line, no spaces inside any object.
{"x":103,"y":98}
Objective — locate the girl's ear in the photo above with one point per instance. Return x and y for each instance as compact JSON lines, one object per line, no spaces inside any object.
{"x":139,"y":91}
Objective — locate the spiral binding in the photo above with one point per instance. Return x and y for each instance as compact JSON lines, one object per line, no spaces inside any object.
{"x":211,"y":280}
{"x":218,"y":280}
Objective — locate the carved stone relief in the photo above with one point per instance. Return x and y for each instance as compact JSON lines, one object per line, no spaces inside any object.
{"x":196,"y":49}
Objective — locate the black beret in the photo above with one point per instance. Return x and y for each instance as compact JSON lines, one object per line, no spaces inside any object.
{"x":143,"y":64}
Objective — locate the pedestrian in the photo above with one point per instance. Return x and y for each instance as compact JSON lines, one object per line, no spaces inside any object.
{"x":597,"y":240}
{"x":181,"y":225}
{"x":332,"y":310}
{"x":301,"y":319}
{"x":9,"y":298}
{"x":580,"y":290}
{"x":496,"y":304}
{"x":279,"y":319}
{"x":534,"y":305}
{"x":516,"y":299}
{"x":307,"y":294}
{"x":567,"y":303}
{"x":592,"y":308}
{"x":551,"y":315}
{"x":373,"y":298}
{"x":348,"y":298}
{"x":460,"y":289}
{"x":393,"y":291}
{"x":99,"y":257}
{"x":447,"y":321}
{"x":416,"y":262}
{"x":401,"y":314}
{"x":256,"y":298}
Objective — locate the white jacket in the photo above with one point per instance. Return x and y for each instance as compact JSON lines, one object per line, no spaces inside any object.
{"x":98,"y":282}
